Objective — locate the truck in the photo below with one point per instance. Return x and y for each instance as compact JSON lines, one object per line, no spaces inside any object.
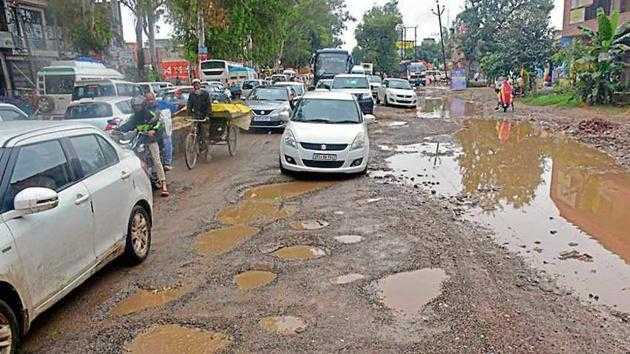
{"x":414,"y":71}
{"x":329,"y":62}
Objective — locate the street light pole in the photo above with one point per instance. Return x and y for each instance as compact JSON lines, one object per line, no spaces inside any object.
{"x":439,"y":15}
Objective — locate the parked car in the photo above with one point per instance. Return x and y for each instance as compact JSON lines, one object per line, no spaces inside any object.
{"x":71,"y":201}
{"x":235,"y":90}
{"x":397,"y":92}
{"x":375,"y":83}
{"x":358,"y":69}
{"x":327,"y":133}
{"x":105,"y":88}
{"x":298,"y":88}
{"x":359,"y":86}
{"x":100,"y":112}
{"x":278,"y":77}
{"x":324,"y":85}
{"x":271,"y":107}
{"x":9,"y":112}
{"x":207,"y":84}
{"x":156,"y":88}
{"x":249,"y":85}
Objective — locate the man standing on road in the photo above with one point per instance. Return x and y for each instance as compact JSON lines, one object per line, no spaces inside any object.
{"x":199,"y":106}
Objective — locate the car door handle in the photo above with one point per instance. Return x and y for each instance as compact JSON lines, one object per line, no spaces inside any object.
{"x":81,"y":199}
{"x":124,"y":175}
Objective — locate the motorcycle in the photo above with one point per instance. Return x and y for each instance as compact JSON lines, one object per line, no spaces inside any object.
{"x":137,"y":142}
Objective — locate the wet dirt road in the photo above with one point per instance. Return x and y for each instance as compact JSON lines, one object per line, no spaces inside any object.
{"x":422,"y":255}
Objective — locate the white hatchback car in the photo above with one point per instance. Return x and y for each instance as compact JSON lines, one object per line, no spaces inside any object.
{"x":100,"y":111}
{"x":327,"y":133}
{"x":71,"y":201}
{"x":397,"y":92}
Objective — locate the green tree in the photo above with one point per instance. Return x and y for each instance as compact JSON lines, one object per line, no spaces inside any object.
{"x":86,"y":24}
{"x":505,"y":34}
{"x":376,"y":37}
{"x":430,"y":51}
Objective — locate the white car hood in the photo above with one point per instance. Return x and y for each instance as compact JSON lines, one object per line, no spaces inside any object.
{"x":321,"y":133}
{"x":393,"y":91}
{"x":354,"y":91}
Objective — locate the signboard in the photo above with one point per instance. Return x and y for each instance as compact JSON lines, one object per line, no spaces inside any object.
{"x":405,"y":44}
{"x":175,"y":69}
{"x":458,"y":79}
{"x":581,"y":3}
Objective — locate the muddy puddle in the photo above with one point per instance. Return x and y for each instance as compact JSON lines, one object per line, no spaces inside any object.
{"x":563,"y":206}
{"x":144,"y":299}
{"x":169,"y":339}
{"x":407,"y":293}
{"x":348,"y":239}
{"x":299,"y":253}
{"x":263,"y":204}
{"x":285,"y":325}
{"x":221,"y":241}
{"x":253,"y":279}
{"x":442,"y":107}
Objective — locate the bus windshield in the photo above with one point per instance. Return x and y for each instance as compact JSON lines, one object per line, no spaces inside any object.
{"x":94,"y":90}
{"x":212,"y":64}
{"x":331,"y":63}
{"x":59,"y":84}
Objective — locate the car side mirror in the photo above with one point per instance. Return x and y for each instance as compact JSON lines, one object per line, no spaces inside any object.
{"x":369,"y":118}
{"x":35,"y":200}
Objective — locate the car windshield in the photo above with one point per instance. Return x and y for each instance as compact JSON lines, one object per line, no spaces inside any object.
{"x":248,"y":85}
{"x":327,"y":111}
{"x":269,"y":94}
{"x":89,"y":110}
{"x":93,"y":90}
{"x":358,"y":82}
{"x":374,"y":79}
{"x":400,"y":84}
{"x":331,"y":63}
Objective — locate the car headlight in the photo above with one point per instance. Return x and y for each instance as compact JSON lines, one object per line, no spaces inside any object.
{"x":282,"y":113}
{"x":358,"y":143}
{"x":289,"y":139}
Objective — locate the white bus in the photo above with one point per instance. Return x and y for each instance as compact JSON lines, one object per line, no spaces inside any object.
{"x":55,"y":83}
{"x":224,"y":71}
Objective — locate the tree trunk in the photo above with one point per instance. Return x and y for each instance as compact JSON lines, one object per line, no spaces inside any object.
{"x":139,"y":45}
{"x":151,"y":37}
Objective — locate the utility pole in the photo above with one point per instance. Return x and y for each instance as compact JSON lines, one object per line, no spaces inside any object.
{"x":439,"y":15}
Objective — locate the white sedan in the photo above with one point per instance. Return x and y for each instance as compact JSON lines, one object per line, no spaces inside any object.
{"x":327,"y":133}
{"x":71,"y":201}
{"x":397,"y":92}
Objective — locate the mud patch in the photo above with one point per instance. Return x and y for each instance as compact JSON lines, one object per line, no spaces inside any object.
{"x":299,"y":253}
{"x":218,"y":242}
{"x":169,"y":339}
{"x":144,"y":299}
{"x":253,"y":279}
{"x":285,"y":190}
{"x":309,"y":225}
{"x":284,"y":325}
{"x":407,"y":293}
{"x":347,"y":278}
{"x":349,"y":239}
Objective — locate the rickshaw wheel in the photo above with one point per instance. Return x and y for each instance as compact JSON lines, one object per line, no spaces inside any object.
{"x":232,"y":139}
{"x":191,"y":150}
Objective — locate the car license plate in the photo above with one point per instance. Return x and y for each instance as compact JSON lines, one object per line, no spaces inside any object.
{"x":262,"y":118}
{"x":324,"y":157}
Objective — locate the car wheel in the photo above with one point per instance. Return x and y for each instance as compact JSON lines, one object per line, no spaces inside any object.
{"x":138,"y":235}
{"x":9,"y":329}
{"x":386,"y":102}
{"x":283,"y":170}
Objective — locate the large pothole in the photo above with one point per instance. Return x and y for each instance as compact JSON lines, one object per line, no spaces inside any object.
{"x":144,"y":299}
{"x":169,"y":339}
{"x":253,"y":279}
{"x":221,"y":241}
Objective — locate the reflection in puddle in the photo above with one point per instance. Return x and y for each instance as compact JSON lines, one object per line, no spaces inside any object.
{"x":349,"y":239}
{"x":285,"y":325}
{"x":253,"y":279}
{"x":299,"y":253}
{"x":144,"y":299}
{"x":218,"y":242}
{"x":347,"y":278}
{"x":549,"y":194}
{"x":406,"y":293}
{"x":309,"y":225}
{"x":442,"y":107}
{"x":177,"y":339}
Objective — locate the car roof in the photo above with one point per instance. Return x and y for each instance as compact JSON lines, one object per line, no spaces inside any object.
{"x":329,"y":95}
{"x":350,"y":75}
{"x":31,"y":128}
{"x":8,"y":105}
{"x":105,"y":99}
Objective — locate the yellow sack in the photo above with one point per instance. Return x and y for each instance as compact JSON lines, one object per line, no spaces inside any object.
{"x":238,"y":113}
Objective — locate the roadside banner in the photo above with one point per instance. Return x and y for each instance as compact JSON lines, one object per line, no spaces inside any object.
{"x":174,"y":69}
{"x":458,"y":79}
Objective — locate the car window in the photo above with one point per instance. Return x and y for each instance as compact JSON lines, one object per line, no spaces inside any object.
{"x":91,"y":157}
{"x":39,"y":165}
{"x":350,"y":83}
{"x":89,"y":110}
{"x":126,"y":90}
{"x":125,"y":107}
{"x":111,"y":156}
{"x":93,"y":90}
{"x":7,"y":114}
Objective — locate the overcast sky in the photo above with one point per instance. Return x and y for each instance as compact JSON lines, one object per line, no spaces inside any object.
{"x":415,"y":13}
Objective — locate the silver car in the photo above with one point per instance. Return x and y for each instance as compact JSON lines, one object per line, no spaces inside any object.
{"x":9,"y":112}
{"x":101,"y":111}
{"x":71,"y":201}
{"x":271,"y":107}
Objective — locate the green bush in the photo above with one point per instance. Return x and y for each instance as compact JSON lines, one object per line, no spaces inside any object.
{"x":569,"y":99}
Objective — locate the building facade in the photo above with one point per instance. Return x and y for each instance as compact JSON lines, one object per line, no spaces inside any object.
{"x":584,"y":13}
